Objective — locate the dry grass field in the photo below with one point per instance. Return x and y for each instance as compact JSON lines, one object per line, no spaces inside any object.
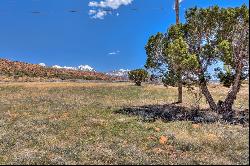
{"x":76,"y":123}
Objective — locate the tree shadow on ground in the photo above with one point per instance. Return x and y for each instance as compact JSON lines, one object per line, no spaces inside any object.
{"x":173,"y":112}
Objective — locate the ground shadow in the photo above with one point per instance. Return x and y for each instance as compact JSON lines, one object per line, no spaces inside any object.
{"x":173,"y":112}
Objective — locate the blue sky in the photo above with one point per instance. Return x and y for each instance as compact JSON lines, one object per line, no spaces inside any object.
{"x":56,"y":36}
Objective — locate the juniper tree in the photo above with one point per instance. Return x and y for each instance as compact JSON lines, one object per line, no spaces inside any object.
{"x":233,"y":39}
{"x":219,"y":34}
{"x":156,"y":49}
{"x":209,"y":35}
{"x":179,"y":77}
{"x":168,"y":53}
{"x":157,"y":61}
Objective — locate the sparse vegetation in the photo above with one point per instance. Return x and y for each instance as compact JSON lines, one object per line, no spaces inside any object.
{"x":119,"y":123}
{"x":76,"y":123}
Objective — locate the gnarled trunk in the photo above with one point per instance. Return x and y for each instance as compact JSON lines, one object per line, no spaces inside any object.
{"x":208,"y":96}
{"x":231,"y":97}
{"x":240,"y":45}
{"x":204,"y":89}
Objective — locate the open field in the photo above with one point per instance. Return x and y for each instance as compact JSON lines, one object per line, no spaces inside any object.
{"x":76,"y":123}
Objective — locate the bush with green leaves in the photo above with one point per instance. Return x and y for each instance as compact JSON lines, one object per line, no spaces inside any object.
{"x":138,"y":76}
{"x":227,"y":76}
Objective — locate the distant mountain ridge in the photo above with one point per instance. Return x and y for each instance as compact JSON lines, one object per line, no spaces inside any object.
{"x":81,"y":68}
{"x":119,"y":73}
{"x":21,"y":69}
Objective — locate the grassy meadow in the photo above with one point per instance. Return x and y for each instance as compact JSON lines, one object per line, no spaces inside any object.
{"x":76,"y":123}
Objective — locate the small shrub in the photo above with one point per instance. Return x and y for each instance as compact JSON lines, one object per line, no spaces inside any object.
{"x":138,"y":76}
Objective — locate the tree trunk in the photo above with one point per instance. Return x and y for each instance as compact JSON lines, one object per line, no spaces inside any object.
{"x":180,"y":92}
{"x":231,"y":97}
{"x":203,"y":85}
{"x":180,"y":86}
{"x":138,"y":83}
{"x":208,"y":96}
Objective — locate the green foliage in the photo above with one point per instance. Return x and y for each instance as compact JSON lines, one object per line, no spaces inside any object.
{"x":177,"y":51}
{"x":170,"y":78}
{"x":154,"y":49}
{"x":176,"y":31}
{"x":226,"y":79}
{"x":138,"y":76}
{"x":190,"y":62}
{"x":201,"y":29}
{"x":229,"y":18}
{"x":227,"y":76}
{"x":178,"y":56}
{"x":225,"y":50}
{"x":212,"y":34}
{"x":169,"y":53}
{"x":209,"y":35}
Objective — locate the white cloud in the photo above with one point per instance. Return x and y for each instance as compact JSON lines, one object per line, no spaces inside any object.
{"x":114,"y":53}
{"x":100,"y":14}
{"x":64,"y":67}
{"x":92,"y":12}
{"x":81,"y":67}
{"x":57,"y":66}
{"x":114,"y":4}
{"x":119,"y":73}
{"x":124,"y":70}
{"x":105,"y":5}
{"x":42,"y":64}
{"x":85,"y":68}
